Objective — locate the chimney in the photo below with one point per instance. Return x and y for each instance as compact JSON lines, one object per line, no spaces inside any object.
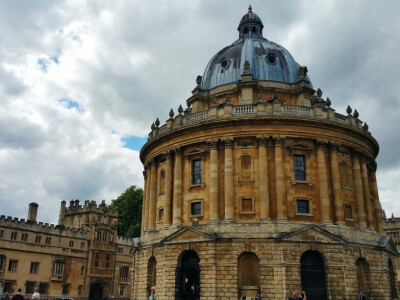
{"x":62,"y":212}
{"x":32,"y":213}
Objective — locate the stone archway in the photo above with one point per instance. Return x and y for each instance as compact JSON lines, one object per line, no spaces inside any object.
{"x":313,"y":275}
{"x":96,"y":291}
{"x":187,"y":276}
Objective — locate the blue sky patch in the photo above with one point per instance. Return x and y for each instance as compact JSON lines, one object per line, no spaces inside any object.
{"x":133,"y":142}
{"x":45,"y":62}
{"x":70,"y":104}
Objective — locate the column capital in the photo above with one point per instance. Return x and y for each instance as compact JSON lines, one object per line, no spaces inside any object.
{"x":145,"y":174}
{"x":167,"y":153}
{"x":320,"y":144}
{"x":178,"y":151}
{"x":262,"y":141}
{"x":355,"y":153}
{"x":213,"y":144}
{"x":154,"y":162}
{"x":278,"y":140}
{"x":228,"y":143}
{"x":334,"y":147}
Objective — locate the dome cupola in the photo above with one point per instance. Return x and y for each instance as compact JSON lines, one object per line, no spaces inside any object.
{"x":250,"y":24}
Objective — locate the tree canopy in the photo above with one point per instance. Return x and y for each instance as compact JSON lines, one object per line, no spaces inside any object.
{"x":129,"y":207}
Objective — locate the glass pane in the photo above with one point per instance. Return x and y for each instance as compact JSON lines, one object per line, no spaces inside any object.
{"x":303,"y":206}
{"x":299,"y":167}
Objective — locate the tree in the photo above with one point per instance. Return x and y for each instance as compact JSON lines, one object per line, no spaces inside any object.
{"x":129,"y":207}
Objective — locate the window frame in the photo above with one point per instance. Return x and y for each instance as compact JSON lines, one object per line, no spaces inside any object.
{"x":30,"y":287}
{"x":160,"y":211}
{"x":251,"y":179}
{"x":24,"y":237}
{"x":310,"y":206}
{"x":192,"y":155}
{"x":14,"y":235}
{"x":299,"y":149}
{"x":12,"y":265}
{"x":34,"y":267}
{"x":192,"y":202}
{"x":161,"y":181}
{"x":253,"y":210}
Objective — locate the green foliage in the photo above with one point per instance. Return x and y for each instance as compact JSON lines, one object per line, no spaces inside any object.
{"x":129,"y":207}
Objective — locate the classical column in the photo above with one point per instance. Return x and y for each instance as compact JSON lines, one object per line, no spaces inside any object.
{"x":168,"y":190}
{"x":177,"y":211}
{"x":263,"y":180}
{"x":358,"y":187}
{"x":367,"y":194}
{"x":229,"y":205}
{"x":147,"y":187}
{"x":336,"y":184}
{"x":280,"y":181}
{"x":323,"y":183}
{"x":153,"y":197}
{"x":377,"y":204}
{"x":213,"y":182}
{"x":144,"y":204}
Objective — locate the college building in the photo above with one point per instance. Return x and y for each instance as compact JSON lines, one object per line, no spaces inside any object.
{"x":260,"y":186}
{"x":81,"y":256}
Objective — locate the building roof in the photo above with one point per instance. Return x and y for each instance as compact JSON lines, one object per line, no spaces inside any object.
{"x":268,"y":60}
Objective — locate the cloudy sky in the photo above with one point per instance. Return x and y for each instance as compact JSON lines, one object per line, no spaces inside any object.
{"x":82,"y":81}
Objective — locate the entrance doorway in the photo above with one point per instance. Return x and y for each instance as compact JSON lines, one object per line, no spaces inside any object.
{"x":96,"y":291}
{"x":313,"y":275}
{"x":187,"y":276}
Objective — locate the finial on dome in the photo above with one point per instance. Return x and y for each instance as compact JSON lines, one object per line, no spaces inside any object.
{"x":250,"y":8}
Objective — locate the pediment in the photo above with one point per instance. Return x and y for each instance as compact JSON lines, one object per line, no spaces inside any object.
{"x":195,"y":151}
{"x":299,"y":146}
{"x":387,"y":243}
{"x":311,"y":233}
{"x":189,"y":234}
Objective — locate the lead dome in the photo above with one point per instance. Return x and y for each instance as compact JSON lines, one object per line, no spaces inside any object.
{"x":268,"y":60}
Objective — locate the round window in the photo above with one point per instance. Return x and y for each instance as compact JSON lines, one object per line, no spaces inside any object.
{"x":224,"y":63}
{"x":271,"y":58}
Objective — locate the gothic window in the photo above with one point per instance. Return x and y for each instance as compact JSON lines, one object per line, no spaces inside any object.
{"x":197,"y":171}
{"x":82,"y":270}
{"x":107,"y":261}
{"x":246,"y":167}
{"x":299,"y":167}
{"x":96,"y":260}
{"x":2,"y":263}
{"x":162,"y":182}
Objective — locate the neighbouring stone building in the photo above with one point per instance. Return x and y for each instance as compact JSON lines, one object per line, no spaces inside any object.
{"x":82,"y":256}
{"x":259,"y":186}
{"x":391,"y":226}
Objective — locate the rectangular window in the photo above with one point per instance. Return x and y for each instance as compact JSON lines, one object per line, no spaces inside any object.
{"x":348,"y":212}
{"x":123,"y":275}
{"x":34,"y":267}
{"x":1,"y":234}
{"x":43,"y":286}
{"x":195,"y":208}
{"x":48,"y":240}
{"x":24,"y":237}
{"x":30,"y":287}
{"x":303,"y":206}
{"x":71,"y":243}
{"x":12,"y":265}
{"x":247,"y":205}
{"x":8,"y":287}
{"x":120,"y":250}
{"x":196,"y":172}
{"x":82,"y":245}
{"x":121,"y":290}
{"x":299,"y":167}
{"x":14,"y":235}
{"x":38,"y":239}
{"x":58,"y":269}
{"x":65,"y":289}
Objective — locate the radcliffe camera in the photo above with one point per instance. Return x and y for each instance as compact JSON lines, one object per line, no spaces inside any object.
{"x":258,"y":185}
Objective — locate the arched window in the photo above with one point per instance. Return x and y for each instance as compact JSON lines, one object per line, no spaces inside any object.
{"x":187,"y":278}
{"x":162,"y":181}
{"x":344,"y":175}
{"x":248,"y":273}
{"x":392,"y":280}
{"x":363,"y":278}
{"x":312,"y":272}
{"x":151,"y":275}
{"x":246,"y":167}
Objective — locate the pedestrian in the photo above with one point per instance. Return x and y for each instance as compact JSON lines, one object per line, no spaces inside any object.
{"x":6,"y":297}
{"x":36,"y":295}
{"x":153,"y":296}
{"x":18,"y":295}
{"x":294,"y":296}
{"x":258,"y":297}
{"x":243,"y":297}
{"x":362,"y":296}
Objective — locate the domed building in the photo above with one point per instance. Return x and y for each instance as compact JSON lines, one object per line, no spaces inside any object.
{"x":259,"y":186}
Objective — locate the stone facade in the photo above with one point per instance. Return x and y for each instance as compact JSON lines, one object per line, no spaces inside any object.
{"x":259,"y":186}
{"x":82,"y":256}
{"x":391,"y":227}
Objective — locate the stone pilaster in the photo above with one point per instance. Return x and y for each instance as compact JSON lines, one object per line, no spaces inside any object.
{"x":336,"y":185}
{"x":263,"y":180}
{"x":358,"y":187}
{"x":144,"y":223}
{"x":323,"y":183}
{"x":229,"y":204}
{"x":177,"y":211}
{"x":168,"y":190}
{"x":367,"y":195}
{"x":213,"y":182}
{"x":280,"y":181}
{"x":153,"y":197}
{"x":377,"y":204}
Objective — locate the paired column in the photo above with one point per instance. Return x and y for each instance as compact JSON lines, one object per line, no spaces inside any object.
{"x":367,"y":194}
{"x":153,"y":197}
{"x":147,"y":188}
{"x":280,"y":180}
{"x":214,"y":182}
{"x":336,"y":184}
{"x":377,"y":204}
{"x":358,"y":187}
{"x":323,"y":182}
{"x":177,"y":211}
{"x":168,"y":190}
{"x":144,"y":204}
{"x":229,"y":203}
{"x":263,"y":175}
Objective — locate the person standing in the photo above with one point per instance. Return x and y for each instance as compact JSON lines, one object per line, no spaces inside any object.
{"x":362,"y":296}
{"x":18,"y":295}
{"x":6,"y":297}
{"x":36,"y":295}
{"x":258,"y":297}
{"x":294,"y":296}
